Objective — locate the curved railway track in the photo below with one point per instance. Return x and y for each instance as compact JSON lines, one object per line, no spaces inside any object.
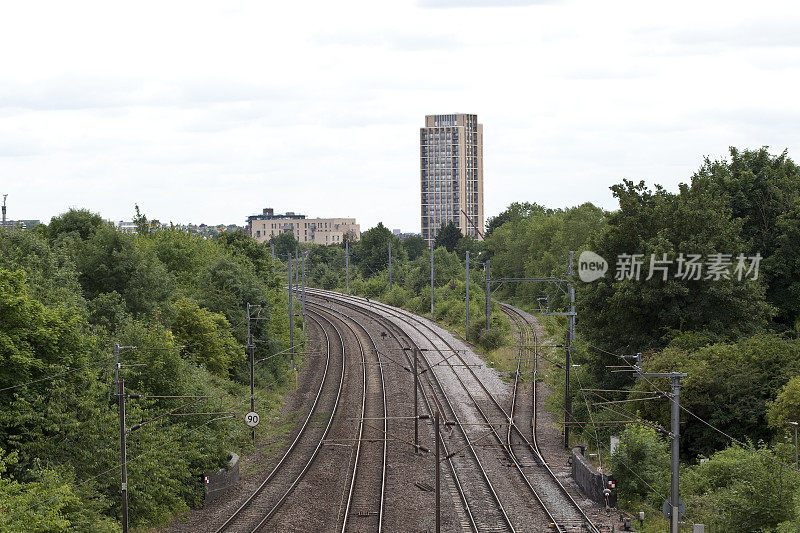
{"x":263,"y":503}
{"x":561,"y":510}
{"x":364,"y":489}
{"x":475,"y":493}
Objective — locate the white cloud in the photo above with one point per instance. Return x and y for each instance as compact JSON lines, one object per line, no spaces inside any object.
{"x":208,"y":113}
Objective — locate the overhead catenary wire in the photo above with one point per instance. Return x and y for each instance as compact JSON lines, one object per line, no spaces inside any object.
{"x":54,"y":376}
{"x":745,"y":445}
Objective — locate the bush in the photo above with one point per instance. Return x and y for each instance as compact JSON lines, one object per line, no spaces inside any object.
{"x":491,"y":339}
{"x":641,"y":462}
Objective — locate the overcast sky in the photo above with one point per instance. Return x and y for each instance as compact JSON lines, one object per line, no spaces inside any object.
{"x":210,"y":111}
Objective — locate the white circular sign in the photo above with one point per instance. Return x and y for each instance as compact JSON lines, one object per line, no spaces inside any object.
{"x":252,"y":419}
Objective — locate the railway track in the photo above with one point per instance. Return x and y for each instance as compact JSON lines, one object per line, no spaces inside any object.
{"x":363,"y":506}
{"x":268,"y":497}
{"x":360,"y":447}
{"x":481,"y":508}
{"x":561,"y":510}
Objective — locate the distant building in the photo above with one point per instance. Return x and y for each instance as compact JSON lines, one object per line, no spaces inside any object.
{"x":202,"y":229}
{"x":20,"y":224}
{"x":400,"y":234}
{"x":315,"y":230}
{"x":451,"y":174}
{"x":126,"y":227}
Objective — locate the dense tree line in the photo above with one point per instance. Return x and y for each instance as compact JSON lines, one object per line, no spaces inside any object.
{"x":71,"y":289}
{"x":737,"y":339}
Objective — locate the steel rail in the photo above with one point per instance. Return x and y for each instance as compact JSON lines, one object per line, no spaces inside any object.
{"x":246,"y":504}
{"x":534,"y":444}
{"x":385,"y":423}
{"x":360,"y":438}
{"x":407,"y":317}
{"x":431,"y":402}
{"x":453,"y":414}
{"x":318,"y":447}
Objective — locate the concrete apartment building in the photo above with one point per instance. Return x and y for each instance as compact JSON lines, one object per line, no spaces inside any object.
{"x":451,"y":174}
{"x":315,"y":230}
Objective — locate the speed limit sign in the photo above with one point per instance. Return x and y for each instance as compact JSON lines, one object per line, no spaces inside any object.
{"x":252,"y":419}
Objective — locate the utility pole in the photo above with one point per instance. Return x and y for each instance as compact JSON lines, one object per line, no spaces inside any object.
{"x":303,"y":294}
{"x":676,"y":429}
{"x":251,"y":348}
{"x":347,"y":264}
{"x":252,"y":379}
{"x":291,"y":311}
{"x":390,"y":265}
{"x":123,"y":453}
{"x":296,"y":265}
{"x":466,"y":329}
{"x":675,"y":433}
{"x":438,"y":468}
{"x":487,"y":268}
{"x":567,"y":396}
{"x":116,"y":362}
{"x":4,"y":209}
{"x":272,"y":247}
{"x":571,"y":297}
{"x":431,"y":280}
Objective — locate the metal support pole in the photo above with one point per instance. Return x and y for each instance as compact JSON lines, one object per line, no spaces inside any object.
{"x":303,"y":293}
{"x":488,"y":296}
{"x":571,"y":298}
{"x":291,"y":312}
{"x":416,"y":404}
{"x":347,"y":264}
{"x":123,"y":453}
{"x":431,"y":280}
{"x":116,"y":362}
{"x":466,"y":329}
{"x":675,"y":488}
{"x":390,"y":265}
{"x":438,"y":468}
{"x":252,"y":378}
{"x":567,"y":396}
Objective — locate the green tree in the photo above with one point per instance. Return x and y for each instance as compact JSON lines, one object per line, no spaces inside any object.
{"x":82,"y":222}
{"x":631,"y":315}
{"x":783,"y":267}
{"x":730,"y":385}
{"x":762,"y":191}
{"x":285,"y":244}
{"x":372,"y":251}
{"x":48,"y":503}
{"x":538,"y":245}
{"x":786,"y":406}
{"x":514,"y":212}
{"x":206,"y":338}
{"x":738,"y":490}
{"x":112,"y":261}
{"x":415,"y":246}
{"x":447,"y":236}
{"x":640,"y":463}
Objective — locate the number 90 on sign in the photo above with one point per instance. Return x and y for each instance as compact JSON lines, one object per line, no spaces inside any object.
{"x":252,"y":419}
